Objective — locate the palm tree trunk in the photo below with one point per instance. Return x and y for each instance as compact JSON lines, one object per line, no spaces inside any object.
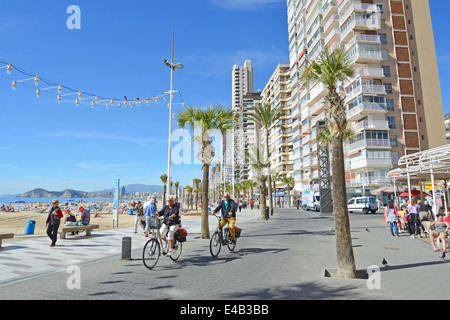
{"x":270,"y":180}
{"x":205,"y":187}
{"x":262,"y":197}
{"x":346,"y":267}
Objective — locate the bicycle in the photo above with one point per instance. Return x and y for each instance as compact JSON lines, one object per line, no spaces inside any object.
{"x":219,"y":238}
{"x":152,"y":249}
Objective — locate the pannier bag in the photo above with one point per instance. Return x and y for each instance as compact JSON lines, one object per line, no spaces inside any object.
{"x":181,"y":235}
{"x":237,"y":231}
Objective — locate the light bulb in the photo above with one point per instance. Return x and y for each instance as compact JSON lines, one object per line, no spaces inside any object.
{"x":165,"y":99}
{"x":36,"y":80}
{"x":107,"y":105}
{"x":14,"y":85}
{"x":77,"y":102}
{"x":79,"y":94}
{"x":156,"y":99}
{"x":111,"y":101}
{"x":148,"y":101}
{"x":9,"y":68}
{"x":120,"y":105}
{"x":59,"y":98}
{"x":59,"y":88}
{"x":93,"y":104}
{"x":38,"y":93}
{"x":96,"y":99}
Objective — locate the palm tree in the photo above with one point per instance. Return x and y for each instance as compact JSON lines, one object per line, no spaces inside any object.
{"x":276,"y":176}
{"x":177,"y":184}
{"x":164,"y":181}
{"x":266,"y":116}
{"x":189,"y":191}
{"x":195,"y":185}
{"x":332,"y":69}
{"x":260,"y":166}
{"x":252,"y":184}
{"x":213,"y":117}
{"x":289,"y":182}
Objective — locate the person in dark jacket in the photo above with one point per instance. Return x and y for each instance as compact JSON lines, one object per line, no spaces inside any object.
{"x":171,"y":223}
{"x":53,"y":221}
{"x":228,"y":209}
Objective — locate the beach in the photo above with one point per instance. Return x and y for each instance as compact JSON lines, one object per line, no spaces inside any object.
{"x":16,"y":222}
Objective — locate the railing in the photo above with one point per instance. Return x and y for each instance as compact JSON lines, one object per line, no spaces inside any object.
{"x":369,"y":143}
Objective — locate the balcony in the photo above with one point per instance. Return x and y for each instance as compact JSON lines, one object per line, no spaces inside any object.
{"x":365,"y":89}
{"x":359,"y":55}
{"x":364,"y":109}
{"x":369,"y":143}
{"x":318,"y":92}
{"x":369,"y":72}
{"x":370,"y":124}
{"x":360,"y":23}
{"x":368,"y":181}
{"x":360,"y":162}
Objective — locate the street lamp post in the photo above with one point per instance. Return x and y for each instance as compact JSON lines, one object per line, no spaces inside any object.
{"x":172,"y":68}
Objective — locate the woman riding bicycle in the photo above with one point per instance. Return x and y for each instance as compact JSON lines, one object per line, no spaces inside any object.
{"x":228,"y":209}
{"x":171,"y":223}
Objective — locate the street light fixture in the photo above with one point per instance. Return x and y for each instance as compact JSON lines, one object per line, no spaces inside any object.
{"x":172,"y":68}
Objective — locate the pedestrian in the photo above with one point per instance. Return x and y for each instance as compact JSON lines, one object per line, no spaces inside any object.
{"x":401,"y":218}
{"x":424,"y":213}
{"x":414,"y":219}
{"x":53,"y":221}
{"x":149,"y":209}
{"x":392,"y":218}
{"x":441,"y":228}
{"x":138,"y":215}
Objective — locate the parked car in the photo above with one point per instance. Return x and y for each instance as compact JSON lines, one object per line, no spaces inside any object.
{"x":363,"y":205}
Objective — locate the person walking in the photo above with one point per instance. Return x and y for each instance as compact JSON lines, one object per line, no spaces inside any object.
{"x":414,"y":219}
{"x":149,"y":210}
{"x":392,"y":218}
{"x":53,"y":221}
{"x":138,"y":215}
{"x":228,"y":209}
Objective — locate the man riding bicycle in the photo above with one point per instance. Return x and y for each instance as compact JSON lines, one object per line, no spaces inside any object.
{"x":228,"y":209}
{"x":171,"y":223}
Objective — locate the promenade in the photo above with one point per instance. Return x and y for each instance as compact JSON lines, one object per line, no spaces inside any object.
{"x":280,"y":259}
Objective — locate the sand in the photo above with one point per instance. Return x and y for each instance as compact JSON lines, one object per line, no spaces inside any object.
{"x":16,"y":222}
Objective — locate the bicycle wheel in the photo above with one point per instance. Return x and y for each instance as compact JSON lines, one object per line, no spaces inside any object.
{"x":151,"y":253}
{"x":215,"y":244}
{"x":176,"y":252}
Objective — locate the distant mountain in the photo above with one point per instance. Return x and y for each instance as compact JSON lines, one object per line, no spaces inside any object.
{"x":69,"y":193}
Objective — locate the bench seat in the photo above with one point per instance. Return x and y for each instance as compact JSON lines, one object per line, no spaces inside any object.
{"x":5,"y":235}
{"x":88,"y":229}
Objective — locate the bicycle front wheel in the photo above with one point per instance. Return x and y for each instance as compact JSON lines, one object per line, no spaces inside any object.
{"x":176,"y":252}
{"x":151,"y":253}
{"x":215,"y":244}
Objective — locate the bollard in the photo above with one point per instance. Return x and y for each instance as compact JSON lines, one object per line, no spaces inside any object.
{"x":126,"y":248}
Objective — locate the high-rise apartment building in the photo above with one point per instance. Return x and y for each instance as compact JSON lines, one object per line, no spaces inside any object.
{"x":394,"y":103}
{"x":447,"y":127}
{"x":277,"y":92}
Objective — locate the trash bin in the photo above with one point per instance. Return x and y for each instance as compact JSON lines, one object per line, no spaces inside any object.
{"x":30,"y":227}
{"x":131,"y":211}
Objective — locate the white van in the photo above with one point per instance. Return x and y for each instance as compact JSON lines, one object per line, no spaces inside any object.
{"x":362,"y":204}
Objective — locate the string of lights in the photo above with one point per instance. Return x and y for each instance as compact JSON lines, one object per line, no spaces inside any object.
{"x":62,"y":91}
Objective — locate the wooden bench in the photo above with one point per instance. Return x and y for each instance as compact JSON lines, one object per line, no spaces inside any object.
{"x":4,"y":235}
{"x":87,"y":228}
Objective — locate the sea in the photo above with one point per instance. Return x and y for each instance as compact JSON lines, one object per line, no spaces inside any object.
{"x":8,"y":201}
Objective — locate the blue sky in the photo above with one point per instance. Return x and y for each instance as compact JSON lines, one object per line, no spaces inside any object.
{"x":118,"y":52}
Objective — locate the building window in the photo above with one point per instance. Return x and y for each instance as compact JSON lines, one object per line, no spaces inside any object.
{"x":390,"y":104}
{"x":388,"y":87}
{"x":387,"y":71}
{"x":383,"y":38}
{"x":393,"y":140}
{"x":380,"y":7}
{"x":391,"y":122}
